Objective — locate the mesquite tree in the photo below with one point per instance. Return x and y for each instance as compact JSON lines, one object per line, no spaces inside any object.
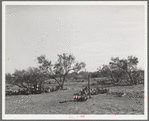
{"x":127,"y":66}
{"x":59,"y":70}
{"x":105,"y":70}
{"x":29,"y":77}
{"x":121,"y":68}
{"x":19,"y":78}
{"x":8,"y":78}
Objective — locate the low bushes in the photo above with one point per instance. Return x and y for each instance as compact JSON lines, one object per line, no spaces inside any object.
{"x":83,"y":93}
{"x":32,"y":90}
{"x":18,"y":92}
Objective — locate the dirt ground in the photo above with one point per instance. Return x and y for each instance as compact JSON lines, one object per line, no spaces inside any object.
{"x":48,"y":103}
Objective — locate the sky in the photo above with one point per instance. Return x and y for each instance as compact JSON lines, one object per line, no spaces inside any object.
{"x":92,"y":33}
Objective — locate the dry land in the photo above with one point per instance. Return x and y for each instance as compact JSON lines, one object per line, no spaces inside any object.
{"x":48,"y":103}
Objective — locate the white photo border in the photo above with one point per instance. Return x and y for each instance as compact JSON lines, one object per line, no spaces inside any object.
{"x":71,"y":116}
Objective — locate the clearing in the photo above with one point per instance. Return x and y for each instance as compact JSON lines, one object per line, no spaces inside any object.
{"x":48,"y":103}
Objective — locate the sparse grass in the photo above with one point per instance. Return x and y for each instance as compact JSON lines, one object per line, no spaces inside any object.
{"x":48,"y":103}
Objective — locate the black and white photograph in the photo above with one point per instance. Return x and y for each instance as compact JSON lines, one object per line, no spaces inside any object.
{"x":74,"y":60}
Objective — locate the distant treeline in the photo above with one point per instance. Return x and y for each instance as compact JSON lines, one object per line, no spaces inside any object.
{"x":116,"y":71}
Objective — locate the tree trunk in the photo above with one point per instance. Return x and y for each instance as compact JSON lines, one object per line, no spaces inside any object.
{"x":89,"y":86}
{"x":62,"y":85}
{"x":132,"y":82}
{"x":57,"y":81}
{"x":113,"y":79}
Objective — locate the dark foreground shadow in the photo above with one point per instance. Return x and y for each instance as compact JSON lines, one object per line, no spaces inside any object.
{"x":67,"y":101}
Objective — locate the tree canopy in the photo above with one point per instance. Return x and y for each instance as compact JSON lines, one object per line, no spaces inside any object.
{"x":119,"y":68}
{"x":59,"y":70}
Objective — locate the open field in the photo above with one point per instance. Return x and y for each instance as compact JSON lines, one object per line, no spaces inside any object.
{"x":48,"y":103}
